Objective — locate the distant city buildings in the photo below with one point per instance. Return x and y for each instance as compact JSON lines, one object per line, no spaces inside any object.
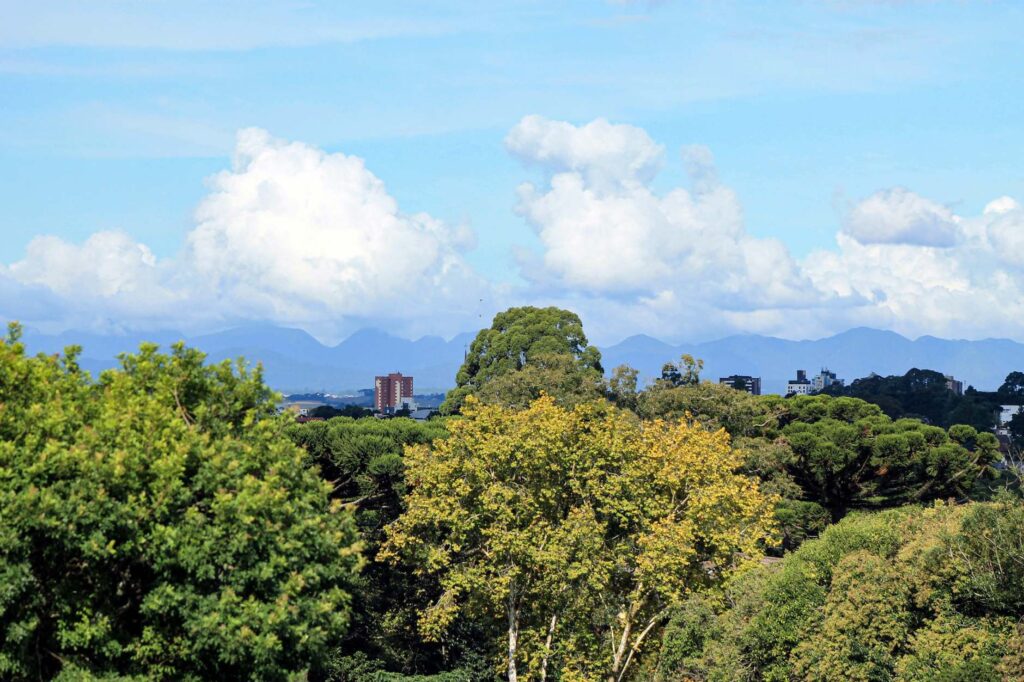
{"x":804,"y":386}
{"x":740,"y":382}
{"x":392,"y":393}
{"x":825,"y":379}
{"x":800,"y":386}
{"x":954,"y":385}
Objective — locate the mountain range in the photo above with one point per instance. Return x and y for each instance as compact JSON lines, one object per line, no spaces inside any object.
{"x":295,"y":361}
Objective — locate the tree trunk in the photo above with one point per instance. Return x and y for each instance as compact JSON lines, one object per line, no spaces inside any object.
{"x":513,"y":638}
{"x":620,"y":650}
{"x":547,"y":648}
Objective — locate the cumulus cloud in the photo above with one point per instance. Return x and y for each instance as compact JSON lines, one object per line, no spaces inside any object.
{"x":604,"y":154}
{"x":898,"y":216}
{"x":1004,"y":227}
{"x":606,"y":231}
{"x":291,"y":234}
{"x":292,"y":231}
{"x":682,"y":263}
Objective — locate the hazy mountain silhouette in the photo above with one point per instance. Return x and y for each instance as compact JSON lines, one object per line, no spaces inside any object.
{"x":295,"y":361}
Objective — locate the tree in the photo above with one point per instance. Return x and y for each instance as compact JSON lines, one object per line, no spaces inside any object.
{"x":713,"y":405}
{"x":159,"y":523}
{"x":576,"y":528}
{"x":517,"y":338}
{"x":866,"y":621}
{"x":363,"y":460}
{"x":1013,"y":386}
{"x":686,"y":373}
{"x":911,"y":594}
{"x":330,"y":412}
{"x":559,"y":376}
{"x":846,"y":454}
{"x":622,"y":387}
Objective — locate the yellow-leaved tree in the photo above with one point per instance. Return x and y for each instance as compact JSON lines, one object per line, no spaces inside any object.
{"x":576,"y":529}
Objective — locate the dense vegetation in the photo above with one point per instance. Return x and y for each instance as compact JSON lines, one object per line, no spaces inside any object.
{"x":161,"y":522}
{"x":923,"y":394}
{"x":914,"y":594}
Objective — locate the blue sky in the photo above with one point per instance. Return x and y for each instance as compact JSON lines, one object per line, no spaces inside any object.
{"x":115,"y":115}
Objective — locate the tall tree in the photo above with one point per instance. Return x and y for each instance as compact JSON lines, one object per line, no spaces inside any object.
{"x":576,"y":528}
{"x":520,"y":337}
{"x":160,"y":523}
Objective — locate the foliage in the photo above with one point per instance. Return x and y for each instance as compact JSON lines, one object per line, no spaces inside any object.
{"x":846,"y":454}
{"x":1013,"y":386}
{"x":895,"y":595}
{"x":517,"y":338}
{"x":622,"y":387}
{"x":577,"y":528}
{"x":364,"y":462}
{"x":329,"y":411}
{"x":559,"y":376}
{"x":923,"y":394}
{"x":686,"y":373}
{"x":159,"y":523}
{"x":713,"y":405}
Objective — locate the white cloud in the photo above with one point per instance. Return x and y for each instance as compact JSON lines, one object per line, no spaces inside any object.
{"x":293,"y":231}
{"x":606,"y":231}
{"x":898,"y":216}
{"x":291,"y":234}
{"x":681,"y":263}
{"x":1004,"y":227}
{"x":606,"y":155}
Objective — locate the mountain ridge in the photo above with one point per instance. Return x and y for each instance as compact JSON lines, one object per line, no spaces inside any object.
{"x":295,"y":361}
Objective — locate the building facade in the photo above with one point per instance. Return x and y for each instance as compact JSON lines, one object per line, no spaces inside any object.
{"x":954,"y":385}
{"x":740,"y":382}
{"x":825,"y":379}
{"x":391,"y":392}
{"x":800,"y":386}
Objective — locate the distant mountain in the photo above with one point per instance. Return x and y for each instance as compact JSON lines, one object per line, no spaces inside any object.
{"x":294,"y":361}
{"x":851,"y":354}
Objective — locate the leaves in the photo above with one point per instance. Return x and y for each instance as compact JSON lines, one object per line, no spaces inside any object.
{"x":159,"y":522}
{"x":581,"y":514}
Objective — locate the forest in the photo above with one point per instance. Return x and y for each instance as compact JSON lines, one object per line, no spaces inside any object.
{"x":557,"y":521}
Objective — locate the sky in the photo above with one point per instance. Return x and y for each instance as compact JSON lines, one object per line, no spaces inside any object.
{"x":687,"y":170}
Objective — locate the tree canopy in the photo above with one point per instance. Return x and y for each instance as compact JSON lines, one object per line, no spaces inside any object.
{"x":525,"y":337}
{"x":923,"y":394}
{"x":910,"y":595}
{"x":158,"y":522}
{"x":575,"y":528}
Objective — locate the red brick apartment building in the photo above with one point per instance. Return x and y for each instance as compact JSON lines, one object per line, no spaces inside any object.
{"x":389,"y":391}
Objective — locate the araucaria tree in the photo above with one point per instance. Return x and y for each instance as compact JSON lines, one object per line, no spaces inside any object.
{"x":159,"y":523}
{"x":574,"y":528}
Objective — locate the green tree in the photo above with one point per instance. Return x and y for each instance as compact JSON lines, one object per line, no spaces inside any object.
{"x":622,"y":387}
{"x":866,"y":621}
{"x":559,"y":376}
{"x":576,"y":528}
{"x":1013,"y":386}
{"x":160,"y":523}
{"x":908,"y":595}
{"x":363,"y":459}
{"x":686,"y":373}
{"x":517,"y":338}
{"x":847,"y":454}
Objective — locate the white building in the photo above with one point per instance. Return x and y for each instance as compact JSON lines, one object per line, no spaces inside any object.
{"x":799,"y":386}
{"x":825,"y":379}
